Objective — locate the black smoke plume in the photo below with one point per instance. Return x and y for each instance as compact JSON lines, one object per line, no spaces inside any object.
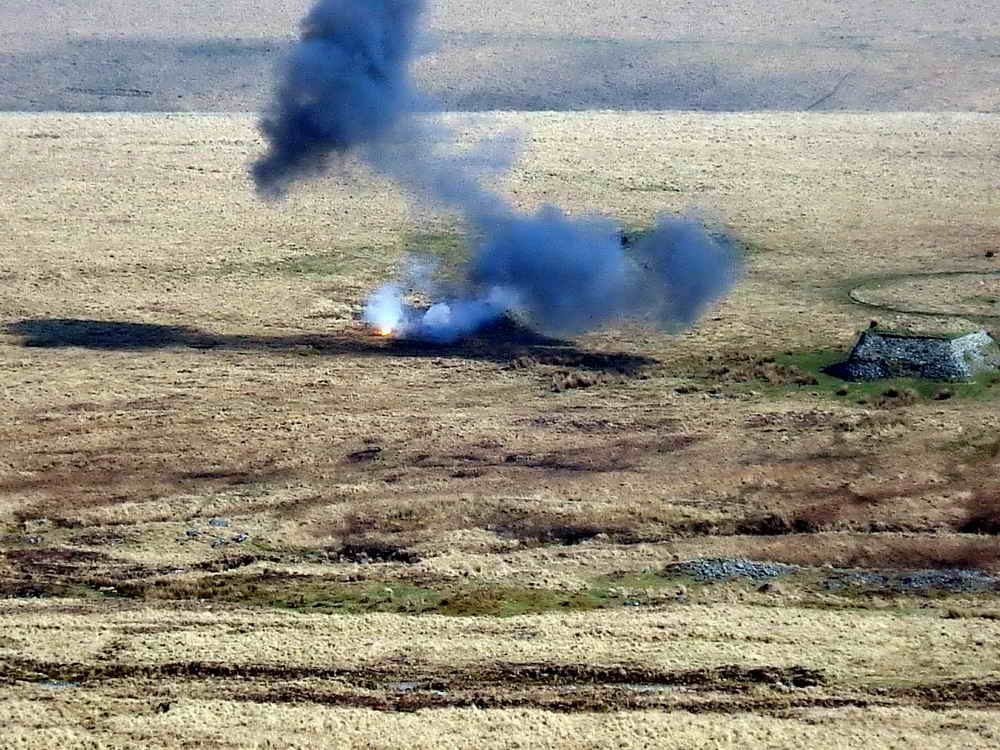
{"x":345,"y":84}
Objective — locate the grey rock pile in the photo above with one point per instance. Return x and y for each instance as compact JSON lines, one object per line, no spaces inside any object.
{"x":720,"y":569}
{"x":711,"y":569}
{"x":881,"y":354}
{"x":947,"y":579}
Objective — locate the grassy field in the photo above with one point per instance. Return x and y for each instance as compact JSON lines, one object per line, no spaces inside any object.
{"x":229,"y":515}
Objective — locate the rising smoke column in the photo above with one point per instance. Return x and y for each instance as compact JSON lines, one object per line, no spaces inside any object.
{"x":345,"y":83}
{"x":346,"y":88}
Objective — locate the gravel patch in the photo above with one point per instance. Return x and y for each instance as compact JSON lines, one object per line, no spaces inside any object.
{"x":720,"y":569}
{"x":715,"y":569}
{"x":948,"y":579}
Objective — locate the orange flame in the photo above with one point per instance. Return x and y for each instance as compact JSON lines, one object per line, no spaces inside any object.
{"x":383,"y":331}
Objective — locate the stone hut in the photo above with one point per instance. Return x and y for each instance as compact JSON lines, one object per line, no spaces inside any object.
{"x":896,"y":354}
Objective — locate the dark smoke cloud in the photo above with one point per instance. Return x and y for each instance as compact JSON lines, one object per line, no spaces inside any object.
{"x":683,"y":270}
{"x":567,"y":275}
{"x":345,"y":83}
{"x":346,"y":87}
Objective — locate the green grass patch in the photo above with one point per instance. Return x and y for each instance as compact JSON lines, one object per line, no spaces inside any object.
{"x":53,"y":589}
{"x":981,"y":299}
{"x":984,"y":387}
{"x":326,"y":595}
{"x":340,"y":262}
{"x":978,"y":445}
{"x":319,"y":594}
{"x":343,"y":261}
{"x":314,"y":264}
{"x":449,"y":249}
{"x":646,"y":579}
{"x":508,"y":601}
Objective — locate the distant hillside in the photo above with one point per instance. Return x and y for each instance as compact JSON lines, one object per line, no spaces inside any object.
{"x":119,"y":55}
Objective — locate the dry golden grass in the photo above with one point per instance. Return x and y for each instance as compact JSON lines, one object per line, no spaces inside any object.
{"x":173,"y":351}
{"x":117,"y":722}
{"x":232,"y":677}
{"x":861,"y":650}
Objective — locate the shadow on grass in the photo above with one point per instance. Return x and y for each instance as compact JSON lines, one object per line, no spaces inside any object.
{"x":100,"y":334}
{"x":502,"y":342}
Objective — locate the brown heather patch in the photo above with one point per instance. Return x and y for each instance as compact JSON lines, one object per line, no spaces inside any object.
{"x":842,"y":488}
{"x":90,"y":496}
{"x":892,"y":398}
{"x":982,"y":511}
{"x":739,"y":367}
{"x":388,"y":529}
{"x":882,"y":551}
{"x":984,"y":614}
